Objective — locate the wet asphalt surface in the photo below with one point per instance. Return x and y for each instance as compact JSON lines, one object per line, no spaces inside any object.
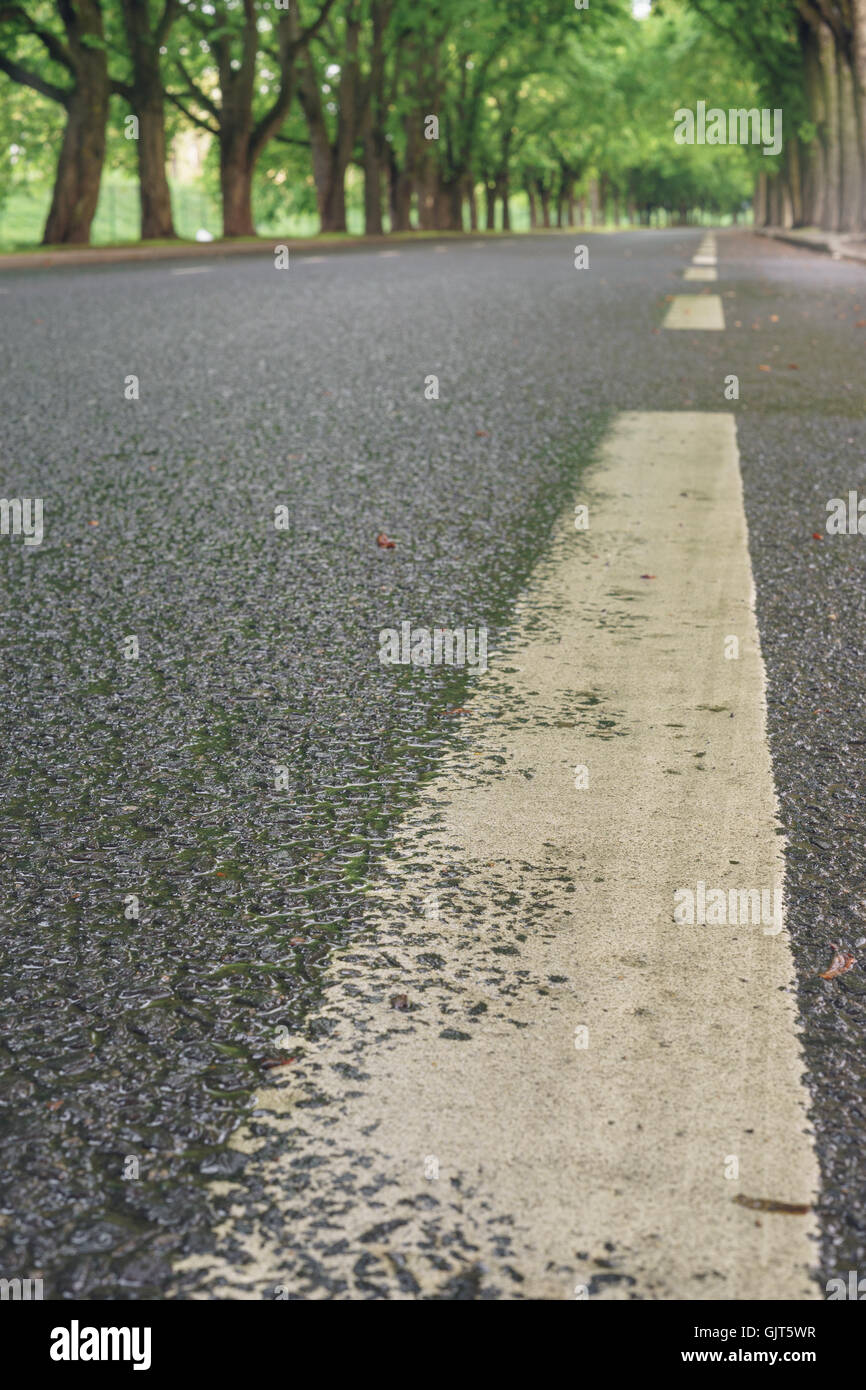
{"x":136,"y":1044}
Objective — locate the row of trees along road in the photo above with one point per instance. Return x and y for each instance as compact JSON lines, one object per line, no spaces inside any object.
{"x":808,"y":57}
{"x":446,"y":107}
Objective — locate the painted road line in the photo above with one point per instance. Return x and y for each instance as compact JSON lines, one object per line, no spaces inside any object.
{"x":701,"y":272}
{"x":695,"y":311}
{"x":527,"y":1080}
{"x":389,"y":253}
{"x":192,"y":270}
{"x":704,"y":259}
{"x":312,"y":260}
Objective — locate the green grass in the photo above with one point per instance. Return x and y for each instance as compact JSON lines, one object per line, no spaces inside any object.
{"x":22,"y":218}
{"x":117,"y":220}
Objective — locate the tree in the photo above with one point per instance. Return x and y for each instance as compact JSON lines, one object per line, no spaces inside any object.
{"x":145,"y":94}
{"x":78,"y":54}
{"x":228,"y":109}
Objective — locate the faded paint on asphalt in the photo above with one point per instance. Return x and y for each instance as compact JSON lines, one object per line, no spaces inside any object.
{"x":467,"y":1146}
{"x":700,"y":311}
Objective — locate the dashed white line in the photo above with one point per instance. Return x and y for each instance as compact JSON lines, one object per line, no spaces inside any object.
{"x":700,"y":311}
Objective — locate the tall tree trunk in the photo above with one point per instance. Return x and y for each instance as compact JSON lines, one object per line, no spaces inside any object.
{"x":490,"y":205}
{"x":793,"y":180}
{"x":399,"y":194}
{"x":829,"y":71}
{"x":373,"y":224}
{"x":503,"y":188}
{"x":456,"y":204}
{"x":331,"y":158}
{"x":759,"y":201}
{"x":544,"y":199}
{"x":472,"y":200}
{"x":372,"y":101}
{"x":533,"y":206}
{"x":814,"y":154}
{"x":593,"y":202}
{"x":82,"y":152}
{"x":154,"y":192}
{"x":849,"y":209}
{"x":236,"y":185}
{"x":147,"y":99}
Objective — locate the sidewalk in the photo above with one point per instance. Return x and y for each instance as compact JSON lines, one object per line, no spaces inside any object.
{"x":245,"y":246}
{"x":849,"y":247}
{"x":175,"y":250}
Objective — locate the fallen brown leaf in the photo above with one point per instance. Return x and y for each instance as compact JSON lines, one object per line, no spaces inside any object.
{"x":841,"y":962}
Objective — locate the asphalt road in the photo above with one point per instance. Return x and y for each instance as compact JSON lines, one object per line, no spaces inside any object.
{"x":132,"y":1048}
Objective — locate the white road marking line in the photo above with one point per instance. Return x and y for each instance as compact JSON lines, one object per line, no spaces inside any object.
{"x":699,"y":311}
{"x":617,"y":1142}
{"x":701,"y":272}
{"x":313,"y":260}
{"x":389,"y":253}
{"x":705,"y":258}
{"x":192,"y":270}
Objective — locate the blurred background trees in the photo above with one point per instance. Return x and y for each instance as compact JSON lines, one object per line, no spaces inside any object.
{"x":150,"y":118}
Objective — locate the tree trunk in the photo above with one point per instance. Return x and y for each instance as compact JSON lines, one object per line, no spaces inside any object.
{"x":82,"y":152}
{"x":148,"y":104}
{"x":331,"y":159}
{"x":833,"y":196}
{"x":455,"y":205}
{"x":759,"y":201}
{"x":533,"y":206}
{"x":236,"y":185}
{"x":503,"y":190}
{"x":814,"y":155}
{"x":849,"y":208}
{"x":154,"y":192}
{"x":593,"y":202}
{"x":373,"y":224}
{"x":490,"y":205}
{"x":793,"y":180}
{"x":400,"y":180}
{"x":472,"y":200}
